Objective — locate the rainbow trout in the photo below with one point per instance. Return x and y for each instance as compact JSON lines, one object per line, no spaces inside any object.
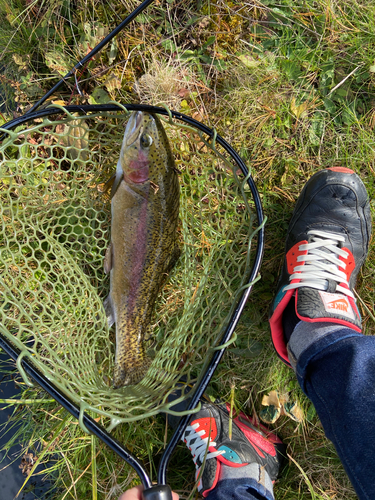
{"x":144,"y":247}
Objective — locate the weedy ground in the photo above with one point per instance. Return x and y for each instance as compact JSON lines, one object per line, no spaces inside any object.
{"x":292,"y":89}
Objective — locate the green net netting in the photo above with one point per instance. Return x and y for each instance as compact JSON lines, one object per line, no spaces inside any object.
{"x":55,"y":228}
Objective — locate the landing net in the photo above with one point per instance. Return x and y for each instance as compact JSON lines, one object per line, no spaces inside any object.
{"x":55,"y":228}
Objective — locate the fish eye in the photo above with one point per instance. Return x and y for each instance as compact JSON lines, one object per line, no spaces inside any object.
{"x":146,"y":140}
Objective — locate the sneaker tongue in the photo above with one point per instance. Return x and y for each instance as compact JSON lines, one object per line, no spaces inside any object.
{"x":316,"y":305}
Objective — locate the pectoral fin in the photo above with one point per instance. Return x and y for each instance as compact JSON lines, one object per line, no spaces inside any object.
{"x":117,"y":178}
{"x":108,"y":185}
{"x":108,"y":260}
{"x":114,"y":181}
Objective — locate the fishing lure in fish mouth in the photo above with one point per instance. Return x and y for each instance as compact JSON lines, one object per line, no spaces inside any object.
{"x":144,"y":239}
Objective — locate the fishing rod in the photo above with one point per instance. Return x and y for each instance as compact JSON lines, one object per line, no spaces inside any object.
{"x":80,"y":64}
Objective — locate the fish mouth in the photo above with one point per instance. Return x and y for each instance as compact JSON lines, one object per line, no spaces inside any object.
{"x":133,"y":128}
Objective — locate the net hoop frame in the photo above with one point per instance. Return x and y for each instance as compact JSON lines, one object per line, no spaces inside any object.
{"x":86,"y":422}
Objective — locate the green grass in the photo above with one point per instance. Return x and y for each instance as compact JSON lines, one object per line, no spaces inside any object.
{"x":292,"y":89}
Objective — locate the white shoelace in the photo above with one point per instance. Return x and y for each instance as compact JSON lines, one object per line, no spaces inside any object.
{"x":199,"y":448}
{"x":316,"y":270}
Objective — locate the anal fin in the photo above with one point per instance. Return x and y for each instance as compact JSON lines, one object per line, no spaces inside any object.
{"x":108,"y":308}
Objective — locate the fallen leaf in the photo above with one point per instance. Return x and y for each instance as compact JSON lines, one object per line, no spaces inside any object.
{"x":276,"y":404}
{"x":294,"y":411}
{"x":249,"y":61}
{"x":183,"y":93}
{"x":271,"y":399}
{"x":75,"y":137}
{"x":299,"y":110}
{"x":272,"y":408}
{"x":270,"y":414}
{"x":112,"y":83}
{"x":99,"y":96}
{"x":59,"y":102}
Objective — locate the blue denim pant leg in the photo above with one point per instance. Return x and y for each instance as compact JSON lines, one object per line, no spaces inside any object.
{"x":337,"y":373}
{"x":239,"y":489}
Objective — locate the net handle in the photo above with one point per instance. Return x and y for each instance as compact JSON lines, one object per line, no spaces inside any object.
{"x":157,"y":492}
{"x":88,"y":422}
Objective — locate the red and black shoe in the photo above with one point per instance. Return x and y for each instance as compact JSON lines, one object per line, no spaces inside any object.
{"x":326,"y":245}
{"x":207,"y":437}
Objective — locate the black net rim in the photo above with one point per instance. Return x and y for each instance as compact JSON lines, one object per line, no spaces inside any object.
{"x":84,"y":419}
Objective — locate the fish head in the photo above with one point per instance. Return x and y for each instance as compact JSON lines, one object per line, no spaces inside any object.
{"x":140,"y":141}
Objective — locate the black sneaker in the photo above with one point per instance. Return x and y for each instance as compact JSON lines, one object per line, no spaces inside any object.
{"x":207,"y":437}
{"x":326,"y":245}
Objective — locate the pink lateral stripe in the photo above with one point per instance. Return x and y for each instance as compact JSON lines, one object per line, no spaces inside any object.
{"x":139,"y":255}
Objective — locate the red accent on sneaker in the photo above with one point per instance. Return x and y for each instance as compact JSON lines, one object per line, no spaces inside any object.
{"x":292,"y":256}
{"x":262,"y":428}
{"x":341,"y":169}
{"x":266,"y":443}
{"x":257,"y":440}
{"x":350,"y":264}
{"x":335,"y":321}
{"x":206,"y":424}
{"x":217,"y":474}
{"x":276,"y":323}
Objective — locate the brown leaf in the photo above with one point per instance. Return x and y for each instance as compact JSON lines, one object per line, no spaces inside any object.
{"x":183,"y":93}
{"x":75,"y":136}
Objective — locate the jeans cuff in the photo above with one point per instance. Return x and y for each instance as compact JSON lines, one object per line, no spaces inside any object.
{"x":240,"y":489}
{"x":251,"y":471}
{"x":317,"y":347}
{"x":306,"y":334}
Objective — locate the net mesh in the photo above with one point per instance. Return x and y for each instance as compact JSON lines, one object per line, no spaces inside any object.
{"x":55,"y":228}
